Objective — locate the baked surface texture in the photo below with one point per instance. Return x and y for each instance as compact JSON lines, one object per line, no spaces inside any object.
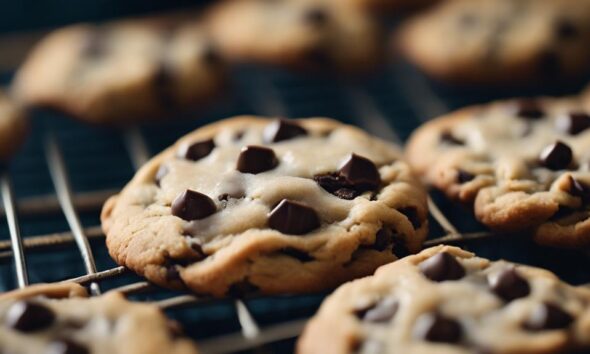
{"x":275,"y":206}
{"x":446,"y":300}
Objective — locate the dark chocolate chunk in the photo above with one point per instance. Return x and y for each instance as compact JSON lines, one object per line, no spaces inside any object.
{"x":282,"y":129}
{"x":241,"y":288}
{"x":562,"y":212}
{"x":508,"y":284}
{"x":565,"y":29}
{"x":256,"y":159}
{"x":529,"y":109}
{"x":337,"y":185}
{"x":65,"y":346}
{"x":441,"y":267}
{"x":399,"y":248}
{"x":191,"y":205}
{"x":573,"y":123}
{"x":557,"y":156}
{"x":383,"y":238}
{"x":26,"y":316}
{"x":464,"y":176}
{"x":548,"y":316}
{"x":434,"y":327}
{"x":448,"y":138}
{"x":316,"y":16}
{"x":197,"y":150}
{"x":160,"y":174}
{"x":382,"y":312}
{"x":579,"y":189}
{"x":301,"y":256}
{"x":361,"y":173}
{"x":172,"y":273}
{"x":293,"y":218}
{"x":412,"y":214}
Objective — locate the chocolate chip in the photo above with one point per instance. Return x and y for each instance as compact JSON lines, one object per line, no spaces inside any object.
{"x":382,"y":312}
{"x":172,"y":273}
{"x":556,"y":156}
{"x":26,"y":316}
{"x":562,"y":212}
{"x":256,"y":159}
{"x":412,"y":214}
{"x":508,"y":284}
{"x":564,"y":29}
{"x":301,"y":256}
{"x":337,"y":185}
{"x":282,"y":129}
{"x":573,"y":123}
{"x":399,"y":248}
{"x":160,"y":174}
{"x":316,"y":17}
{"x":579,"y":189}
{"x":464,"y":176}
{"x":65,"y":346}
{"x":241,"y":288}
{"x":361,"y":173}
{"x":448,"y":138}
{"x":529,"y":109}
{"x":293,"y":218}
{"x":548,"y":316}
{"x":442,"y":266}
{"x":199,"y":253}
{"x":383,"y":239}
{"x":438,"y":328}
{"x":191,"y":205}
{"x":197,"y":150}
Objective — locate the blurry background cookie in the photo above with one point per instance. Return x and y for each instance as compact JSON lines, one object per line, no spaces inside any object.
{"x":13,"y":127}
{"x":296,"y":33}
{"x":122,"y":71}
{"x":392,"y":5}
{"x":500,"y":41}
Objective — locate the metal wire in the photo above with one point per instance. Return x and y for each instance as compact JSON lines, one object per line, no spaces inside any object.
{"x":16,"y":242}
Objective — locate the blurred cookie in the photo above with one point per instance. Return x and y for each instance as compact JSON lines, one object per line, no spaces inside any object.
{"x":448,"y":301}
{"x":500,"y":41}
{"x":122,"y":71}
{"x":524,"y":164}
{"x":391,"y":5}
{"x":275,"y":206}
{"x":59,"y":319}
{"x":14,"y":127}
{"x":304,"y":34}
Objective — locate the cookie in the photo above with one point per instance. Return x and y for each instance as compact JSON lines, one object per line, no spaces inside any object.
{"x":274,"y":206}
{"x":14,"y":127}
{"x":500,"y":41}
{"x":446,"y":300}
{"x":522,"y":164}
{"x":301,"y":34}
{"x":59,"y":319}
{"x":122,"y":71}
{"x":391,"y":6}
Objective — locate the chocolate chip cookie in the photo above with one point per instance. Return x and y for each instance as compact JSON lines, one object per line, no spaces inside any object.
{"x":59,"y":319}
{"x":302,"y":34}
{"x":523,"y":164}
{"x":446,"y":300}
{"x":391,"y":6}
{"x":122,"y":71}
{"x":14,"y":127}
{"x":500,"y":41}
{"x":275,"y":206}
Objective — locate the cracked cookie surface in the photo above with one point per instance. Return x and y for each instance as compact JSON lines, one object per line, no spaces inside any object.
{"x":276,"y":206}
{"x":59,"y":318}
{"x":523,"y":164}
{"x":446,"y":300}
{"x":122,"y":71}
{"x":500,"y":41}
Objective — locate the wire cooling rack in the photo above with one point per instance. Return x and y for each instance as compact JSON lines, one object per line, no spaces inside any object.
{"x":389,"y":105}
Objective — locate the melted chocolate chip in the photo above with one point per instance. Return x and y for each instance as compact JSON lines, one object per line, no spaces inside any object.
{"x":160,"y":174}
{"x":548,"y":316}
{"x":508,"y":284}
{"x":447,"y":137}
{"x":464,"y":176}
{"x":293,"y":218}
{"x":556,"y":156}
{"x":197,"y":150}
{"x":383,"y":239}
{"x":399,"y":248}
{"x":579,"y":189}
{"x":412,"y":214}
{"x":316,"y":16}
{"x":438,"y":328}
{"x":256,"y":159}
{"x":361,"y":173}
{"x":66,"y":346}
{"x":241,"y":288}
{"x":565,"y":29}
{"x":282,"y":129}
{"x":337,"y":185}
{"x":573,"y":123}
{"x":382,"y":312}
{"x":25,"y":316}
{"x":172,"y":273}
{"x":301,"y":256}
{"x":529,"y":109}
{"x":191,"y":205}
{"x":442,"y":266}
{"x":562,"y":212}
